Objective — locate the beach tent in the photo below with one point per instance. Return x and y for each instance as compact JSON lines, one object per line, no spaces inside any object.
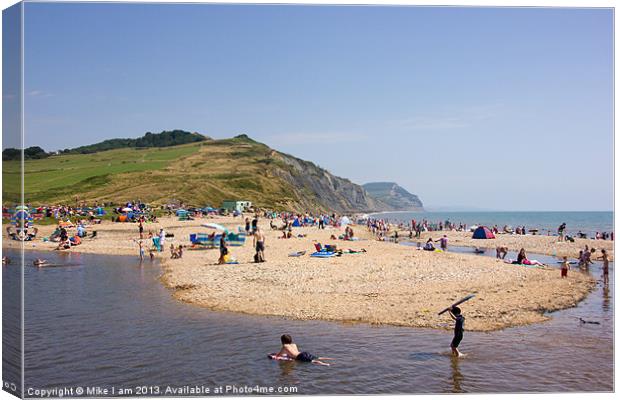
{"x":345,"y":221}
{"x":482,"y":232}
{"x":296,"y":223}
{"x":21,"y":216}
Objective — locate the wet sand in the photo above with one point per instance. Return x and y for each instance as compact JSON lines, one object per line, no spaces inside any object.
{"x":389,"y":284}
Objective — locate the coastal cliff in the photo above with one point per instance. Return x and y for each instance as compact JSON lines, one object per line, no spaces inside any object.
{"x":395,"y":197}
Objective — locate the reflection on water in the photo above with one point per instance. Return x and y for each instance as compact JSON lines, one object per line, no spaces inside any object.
{"x":457,"y":376}
{"x":606,"y":297}
{"x":110,"y":322}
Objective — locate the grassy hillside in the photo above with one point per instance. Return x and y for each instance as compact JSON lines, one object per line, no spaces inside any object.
{"x":202,"y":173}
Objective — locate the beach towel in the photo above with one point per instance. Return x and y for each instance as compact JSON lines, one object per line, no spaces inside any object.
{"x":323,"y":254}
{"x":297,"y":254}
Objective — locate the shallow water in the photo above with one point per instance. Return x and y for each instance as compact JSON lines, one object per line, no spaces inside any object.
{"x":589,"y":222}
{"x":108,"y":322}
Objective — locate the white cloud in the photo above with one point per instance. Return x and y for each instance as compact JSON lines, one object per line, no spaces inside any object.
{"x":38,"y":93}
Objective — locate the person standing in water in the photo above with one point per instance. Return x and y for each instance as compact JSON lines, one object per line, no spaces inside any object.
{"x":605,"y":259}
{"x":443,"y":242}
{"x":459,"y":323}
{"x":141,"y":246}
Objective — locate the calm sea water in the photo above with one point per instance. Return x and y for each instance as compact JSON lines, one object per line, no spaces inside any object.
{"x":588,"y":222}
{"x":107,"y":321}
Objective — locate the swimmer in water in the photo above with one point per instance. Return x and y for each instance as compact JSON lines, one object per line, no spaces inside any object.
{"x":39,"y":262}
{"x":290,"y":350}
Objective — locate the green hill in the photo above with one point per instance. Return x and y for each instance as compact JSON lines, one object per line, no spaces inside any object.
{"x":200,"y":173}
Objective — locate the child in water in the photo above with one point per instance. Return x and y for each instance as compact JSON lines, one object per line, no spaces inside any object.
{"x":459,"y":319}
{"x":565,"y":267}
{"x":605,"y":259}
{"x":289,"y":349}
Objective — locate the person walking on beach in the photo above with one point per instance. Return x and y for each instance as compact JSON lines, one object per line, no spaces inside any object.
{"x":459,"y":322}
{"x":561,"y":230}
{"x":254,"y":224}
{"x":223,"y":250}
{"x":259,"y":244}
{"x":162,"y":238}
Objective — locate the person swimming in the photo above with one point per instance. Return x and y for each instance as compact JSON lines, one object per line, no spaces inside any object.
{"x":39,"y":262}
{"x":290,"y":350}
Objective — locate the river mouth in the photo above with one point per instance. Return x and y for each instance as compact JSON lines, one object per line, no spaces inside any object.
{"x":107,"y":321}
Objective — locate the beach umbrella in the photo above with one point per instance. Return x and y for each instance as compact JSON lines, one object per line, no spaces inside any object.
{"x":215,"y":226}
{"x":21,"y":208}
{"x":127,"y":209}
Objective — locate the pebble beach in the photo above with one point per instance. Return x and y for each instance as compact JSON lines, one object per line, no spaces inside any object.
{"x":387,"y":284}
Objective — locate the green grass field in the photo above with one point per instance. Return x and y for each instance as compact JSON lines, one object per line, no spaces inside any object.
{"x":59,"y":176}
{"x":201,"y":174}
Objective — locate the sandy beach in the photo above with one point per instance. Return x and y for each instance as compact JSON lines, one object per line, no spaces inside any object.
{"x":540,"y":244}
{"x":388,"y":284}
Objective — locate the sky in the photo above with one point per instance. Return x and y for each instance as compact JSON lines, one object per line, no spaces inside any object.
{"x":486,"y":108}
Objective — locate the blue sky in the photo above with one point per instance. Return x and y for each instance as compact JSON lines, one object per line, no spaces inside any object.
{"x":485,"y":107}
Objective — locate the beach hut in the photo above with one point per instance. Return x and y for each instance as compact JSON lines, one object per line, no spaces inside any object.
{"x":182,"y":214}
{"x":482,"y":232}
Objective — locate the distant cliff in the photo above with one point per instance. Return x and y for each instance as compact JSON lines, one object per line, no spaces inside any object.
{"x":394,"y":196}
{"x":320,"y":189}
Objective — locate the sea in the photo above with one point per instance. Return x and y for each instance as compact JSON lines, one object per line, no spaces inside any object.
{"x":588,"y":222}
